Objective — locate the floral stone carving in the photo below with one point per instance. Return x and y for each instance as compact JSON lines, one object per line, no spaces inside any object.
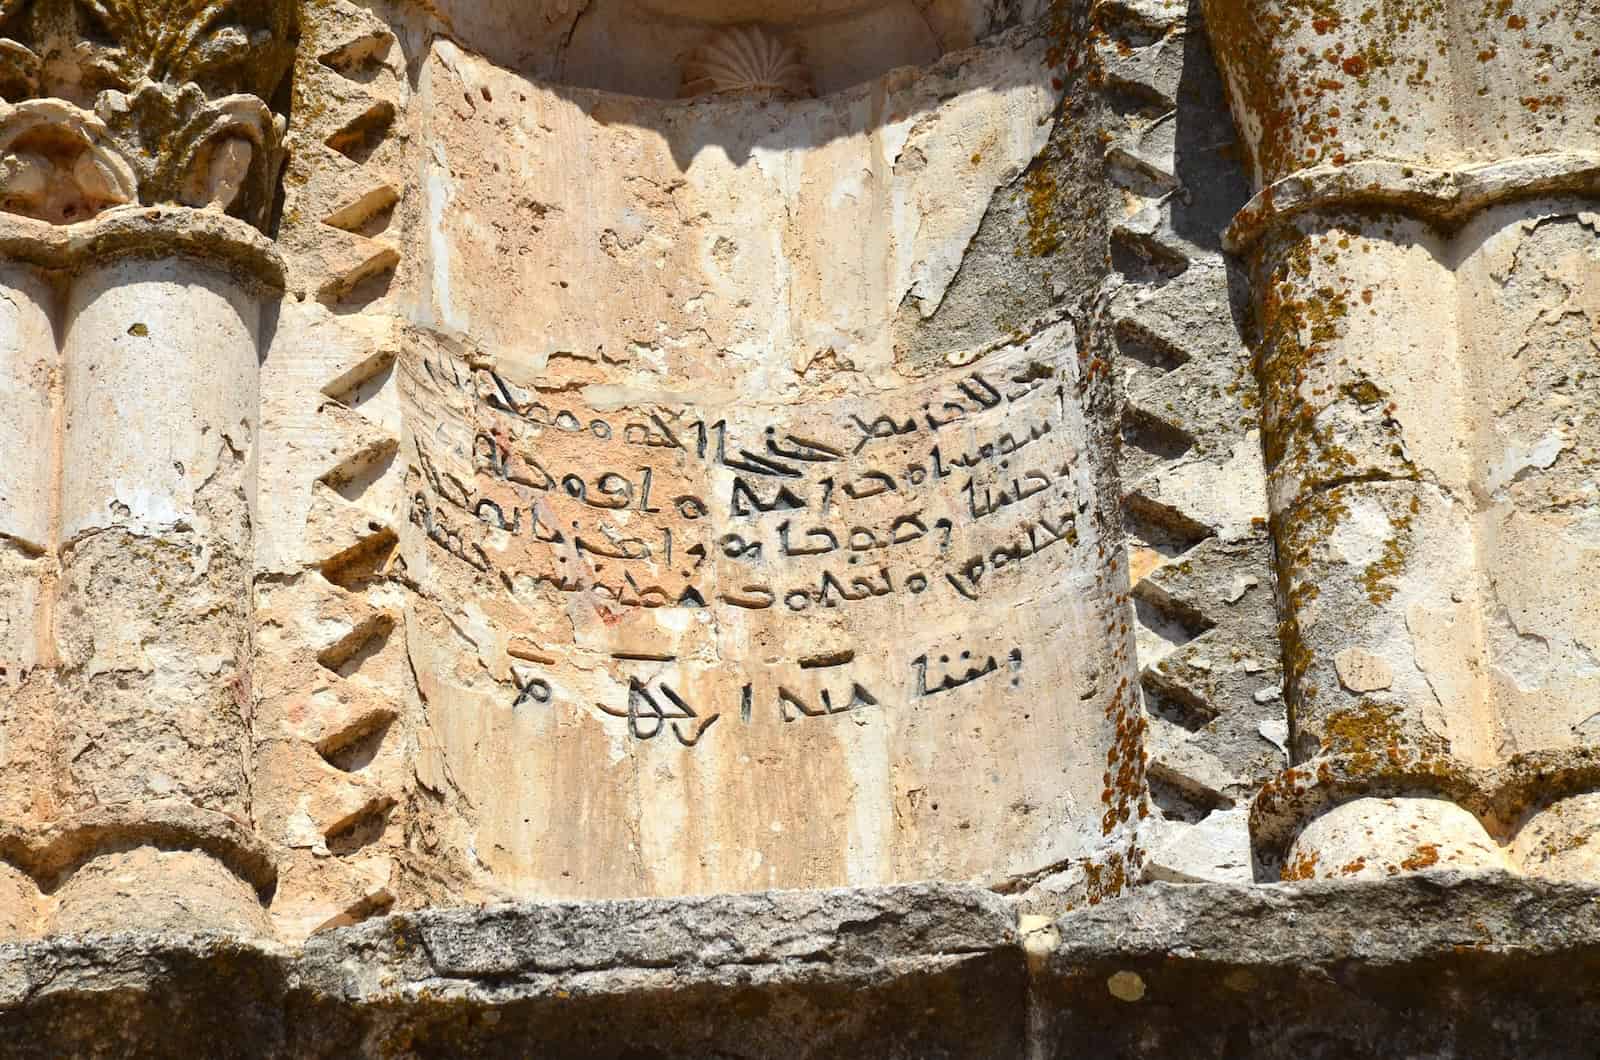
{"x":151,"y":101}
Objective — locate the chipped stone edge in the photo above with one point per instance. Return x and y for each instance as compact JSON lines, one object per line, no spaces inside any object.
{"x":147,"y":231}
{"x":1443,"y":196}
{"x":503,"y":953}
{"x":1404,"y":920}
{"x":499,"y":955}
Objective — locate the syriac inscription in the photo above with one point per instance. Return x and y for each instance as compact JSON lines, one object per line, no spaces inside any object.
{"x":726,"y":563}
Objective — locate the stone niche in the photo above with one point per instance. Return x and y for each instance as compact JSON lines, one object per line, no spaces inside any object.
{"x":640,"y":47}
{"x":839,"y":42}
{"x":761,"y":525}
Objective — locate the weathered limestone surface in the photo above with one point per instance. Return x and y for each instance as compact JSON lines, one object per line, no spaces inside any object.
{"x":1424,"y":256}
{"x":749,"y":528}
{"x":912,"y":971}
{"x":1440,"y":964}
{"x":1194,"y":493}
{"x":1351,"y":969}
{"x":139,"y":326}
{"x":779,"y":565}
{"x":576,"y":493}
{"x":749,"y":536}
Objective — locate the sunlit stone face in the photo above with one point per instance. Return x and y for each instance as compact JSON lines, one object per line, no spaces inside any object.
{"x":863,"y":628}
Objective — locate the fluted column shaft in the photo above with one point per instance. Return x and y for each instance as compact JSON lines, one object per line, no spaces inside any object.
{"x":1416,"y":163}
{"x":134,"y":359}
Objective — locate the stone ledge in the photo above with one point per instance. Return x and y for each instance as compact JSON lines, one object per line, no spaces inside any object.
{"x":1439,"y":965}
{"x":779,"y":931}
{"x":1319,"y":924}
{"x":148,"y":232}
{"x":908,"y":971}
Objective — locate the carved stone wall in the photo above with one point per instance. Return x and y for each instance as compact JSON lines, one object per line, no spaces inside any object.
{"x":837,"y":438}
{"x":1194,"y":500}
{"x":486,"y":450}
{"x":737,"y":545}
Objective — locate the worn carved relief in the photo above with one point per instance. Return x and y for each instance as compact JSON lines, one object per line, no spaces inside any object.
{"x":485,"y":450}
{"x":60,"y":163}
{"x":115,"y":101}
{"x":140,"y":149}
{"x":746,"y":59}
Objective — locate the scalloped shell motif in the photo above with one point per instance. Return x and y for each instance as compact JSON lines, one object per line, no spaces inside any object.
{"x":746,"y":59}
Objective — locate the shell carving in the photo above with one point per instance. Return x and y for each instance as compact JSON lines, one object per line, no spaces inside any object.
{"x":746,"y":59}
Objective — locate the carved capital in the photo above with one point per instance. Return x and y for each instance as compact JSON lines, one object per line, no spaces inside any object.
{"x":108,"y":102}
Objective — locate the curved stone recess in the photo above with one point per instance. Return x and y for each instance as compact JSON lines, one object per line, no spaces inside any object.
{"x":746,"y":59}
{"x":783,"y":575}
{"x":639,"y":48}
{"x":620,"y":48}
{"x":731,"y":11}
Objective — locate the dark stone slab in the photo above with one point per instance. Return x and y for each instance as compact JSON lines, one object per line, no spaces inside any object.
{"x":1426,"y":966}
{"x":1422,"y":966}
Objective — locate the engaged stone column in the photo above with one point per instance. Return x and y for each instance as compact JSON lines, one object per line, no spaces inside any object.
{"x":132,"y":364}
{"x":128,"y":585}
{"x":1421,"y":385}
{"x":138,"y":160}
{"x":152,"y":614}
{"x":28,"y":367}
